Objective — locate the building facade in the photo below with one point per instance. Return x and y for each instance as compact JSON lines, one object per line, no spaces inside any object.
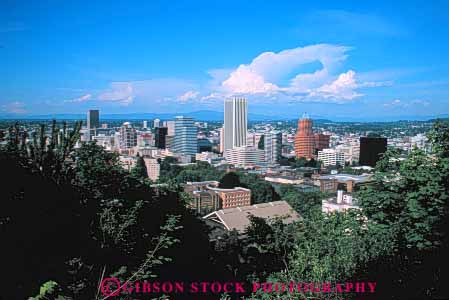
{"x":128,"y":136}
{"x":235,"y":123}
{"x":153,"y":168}
{"x":305,"y":139}
{"x":245,"y":156}
{"x":93,"y":119}
{"x":160,"y":137}
{"x":185,"y":140}
{"x":272,"y":146}
{"x":371,"y":150}
{"x":322,"y":141}
{"x":207,"y":196}
{"x":331,"y":157}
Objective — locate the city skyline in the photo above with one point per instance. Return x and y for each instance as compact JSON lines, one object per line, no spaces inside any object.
{"x":373,"y":61}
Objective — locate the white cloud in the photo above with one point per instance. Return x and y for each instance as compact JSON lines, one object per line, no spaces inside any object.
{"x":15,"y":107}
{"x":342,"y":89}
{"x":80,"y":99}
{"x":247,"y":81}
{"x":189,"y":95}
{"x":261,"y":75}
{"x":264,"y":75}
{"x":121,"y":92}
{"x":397,"y":103}
{"x":282,"y":76}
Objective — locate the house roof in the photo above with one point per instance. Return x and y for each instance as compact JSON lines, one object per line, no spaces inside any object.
{"x":238,"y":218}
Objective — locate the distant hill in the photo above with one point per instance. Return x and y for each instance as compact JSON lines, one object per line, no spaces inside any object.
{"x":209,"y":115}
{"x":202,"y":115}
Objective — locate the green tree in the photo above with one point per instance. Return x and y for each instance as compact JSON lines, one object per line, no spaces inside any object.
{"x":140,"y":170}
{"x":229,"y":181}
{"x":261,"y":143}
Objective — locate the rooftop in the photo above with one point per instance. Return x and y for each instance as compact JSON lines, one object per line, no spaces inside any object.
{"x":238,"y":218}
{"x":347,"y":177}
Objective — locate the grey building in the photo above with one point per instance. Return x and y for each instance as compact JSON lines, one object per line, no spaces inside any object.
{"x":93,"y":119}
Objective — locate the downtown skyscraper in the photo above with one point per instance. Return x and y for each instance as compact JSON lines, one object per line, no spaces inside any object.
{"x":235,"y":123}
{"x":93,"y":119}
{"x":185,"y":141}
{"x":305,"y":139}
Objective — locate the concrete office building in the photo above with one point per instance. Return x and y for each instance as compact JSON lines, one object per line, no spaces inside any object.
{"x":153,"y":168}
{"x":235,"y":123}
{"x":128,"y":136}
{"x":272,"y":146}
{"x":331,"y":157}
{"x":170,"y":127}
{"x":245,"y":156}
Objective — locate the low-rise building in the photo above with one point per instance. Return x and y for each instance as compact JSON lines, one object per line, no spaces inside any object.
{"x":331,"y":183}
{"x":153,"y":168}
{"x":238,"y":218}
{"x":340,"y":203}
{"x":331,"y":157}
{"x":245,"y":156}
{"x":207,"y":196}
{"x":284,"y":179}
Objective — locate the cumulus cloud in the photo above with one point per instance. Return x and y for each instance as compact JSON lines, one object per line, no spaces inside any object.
{"x":283,"y":76}
{"x":247,"y":81}
{"x":15,"y":107}
{"x":343,"y":88}
{"x":80,"y":99}
{"x":264,"y":76}
{"x":261,"y":75}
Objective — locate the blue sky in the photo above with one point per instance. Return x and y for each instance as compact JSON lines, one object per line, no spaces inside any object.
{"x":334,"y":58}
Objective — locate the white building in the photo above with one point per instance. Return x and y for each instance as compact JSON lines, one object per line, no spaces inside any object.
{"x":145,"y":124}
{"x":272,"y":146}
{"x":221,"y":132}
{"x":331,"y":157}
{"x":156,"y":123}
{"x":153,"y":168}
{"x":206,"y":156}
{"x":170,"y":127}
{"x":106,"y":141}
{"x":235,"y":122}
{"x":145,"y":139}
{"x":128,"y":136}
{"x":341,"y":203}
{"x":128,"y":162}
{"x":351,"y":149}
{"x":245,"y":156}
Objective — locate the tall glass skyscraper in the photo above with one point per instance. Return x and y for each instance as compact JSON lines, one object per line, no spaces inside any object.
{"x":185,"y":141}
{"x":235,"y":123}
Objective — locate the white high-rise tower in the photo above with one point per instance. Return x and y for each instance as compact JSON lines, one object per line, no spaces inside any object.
{"x":235,"y":122}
